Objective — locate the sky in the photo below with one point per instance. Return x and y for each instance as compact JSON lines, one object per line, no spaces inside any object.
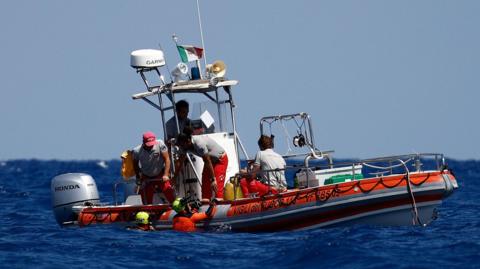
{"x":377,"y":77}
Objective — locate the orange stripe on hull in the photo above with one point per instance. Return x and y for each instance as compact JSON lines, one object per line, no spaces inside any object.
{"x":293,"y":199}
{"x":107,"y":215}
{"x":302,"y":221}
{"x":325,"y":193}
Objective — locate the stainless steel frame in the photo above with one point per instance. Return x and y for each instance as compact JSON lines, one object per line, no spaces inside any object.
{"x":195,"y":87}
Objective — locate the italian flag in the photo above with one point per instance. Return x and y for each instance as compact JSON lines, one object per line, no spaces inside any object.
{"x":189,"y":53}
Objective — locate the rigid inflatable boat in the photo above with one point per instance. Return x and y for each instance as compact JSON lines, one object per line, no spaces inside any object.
{"x":394,"y":190}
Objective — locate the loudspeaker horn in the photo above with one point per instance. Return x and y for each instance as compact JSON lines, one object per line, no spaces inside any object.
{"x":217,"y":69}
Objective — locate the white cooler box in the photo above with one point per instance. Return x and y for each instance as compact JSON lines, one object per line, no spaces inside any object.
{"x":317,"y":177}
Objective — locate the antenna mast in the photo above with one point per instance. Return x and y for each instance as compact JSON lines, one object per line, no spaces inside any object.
{"x":201,"y":33}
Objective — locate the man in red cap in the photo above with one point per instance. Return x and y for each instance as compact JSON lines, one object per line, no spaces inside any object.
{"x":152,"y":168}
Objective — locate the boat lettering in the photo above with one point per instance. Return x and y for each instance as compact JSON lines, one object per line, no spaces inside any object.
{"x":263,"y":206}
{"x":326,"y":194}
{"x":255,"y":208}
{"x":67,"y":187}
{"x":272,"y":204}
{"x":310,"y":197}
{"x":241,"y":209}
{"x":154,"y":62}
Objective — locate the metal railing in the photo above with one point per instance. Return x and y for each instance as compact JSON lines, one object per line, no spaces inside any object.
{"x":379,"y":167}
{"x":376,"y":167}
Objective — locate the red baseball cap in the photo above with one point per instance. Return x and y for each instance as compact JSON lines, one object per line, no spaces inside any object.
{"x":149,"y":139}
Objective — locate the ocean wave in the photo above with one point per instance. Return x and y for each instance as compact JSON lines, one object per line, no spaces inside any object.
{"x":30,"y":236}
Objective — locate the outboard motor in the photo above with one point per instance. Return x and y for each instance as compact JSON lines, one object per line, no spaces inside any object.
{"x":70,"y":190}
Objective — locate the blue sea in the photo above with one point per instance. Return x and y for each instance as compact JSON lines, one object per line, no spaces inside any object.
{"x":31,"y":238}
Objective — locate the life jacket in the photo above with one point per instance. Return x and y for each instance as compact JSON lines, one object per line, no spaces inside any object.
{"x":141,"y":227}
{"x":127,"y":164}
{"x":185,"y":222}
{"x":145,"y":227}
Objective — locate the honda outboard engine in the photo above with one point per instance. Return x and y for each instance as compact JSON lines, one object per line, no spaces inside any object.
{"x":69,"y":190}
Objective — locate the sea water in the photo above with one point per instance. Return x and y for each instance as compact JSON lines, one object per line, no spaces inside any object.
{"x":31,"y":238}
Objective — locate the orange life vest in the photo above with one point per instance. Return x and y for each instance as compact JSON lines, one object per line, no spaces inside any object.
{"x":186,"y":222}
{"x":127,"y":164}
